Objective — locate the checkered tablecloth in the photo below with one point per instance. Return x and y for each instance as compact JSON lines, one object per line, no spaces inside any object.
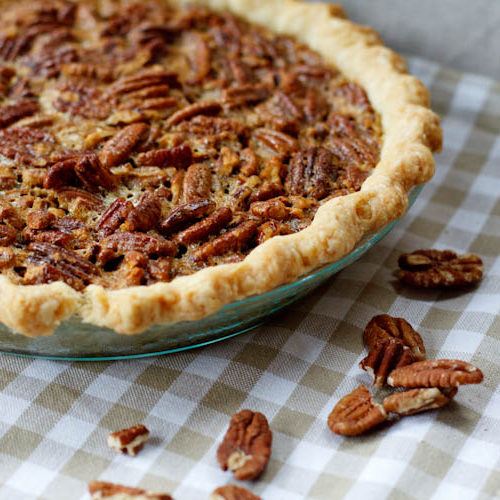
{"x":54,"y":416}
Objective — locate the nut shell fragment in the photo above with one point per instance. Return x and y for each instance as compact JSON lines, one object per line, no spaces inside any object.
{"x":356,"y":413}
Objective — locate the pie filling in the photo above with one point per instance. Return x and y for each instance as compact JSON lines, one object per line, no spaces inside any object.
{"x":141,"y":141}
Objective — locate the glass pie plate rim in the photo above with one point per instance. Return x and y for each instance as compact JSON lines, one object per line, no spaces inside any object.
{"x":272,"y":301}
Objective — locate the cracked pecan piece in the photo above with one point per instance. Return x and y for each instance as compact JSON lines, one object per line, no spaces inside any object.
{"x":101,"y":490}
{"x":383,"y":327}
{"x":439,"y":269}
{"x":418,"y":400}
{"x":129,"y":441}
{"x":114,"y":216}
{"x":356,"y":413}
{"x":442,"y":373}
{"x":232,"y":492}
{"x":246,"y":446}
{"x":384,"y":357}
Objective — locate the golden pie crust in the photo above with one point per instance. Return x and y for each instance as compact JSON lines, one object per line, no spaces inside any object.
{"x":411,"y":133}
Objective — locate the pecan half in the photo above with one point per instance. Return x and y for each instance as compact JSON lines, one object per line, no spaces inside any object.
{"x":101,"y":489}
{"x":200,"y":231}
{"x":385,"y":356}
{"x":232,"y":492}
{"x":114,"y":216}
{"x":436,"y":373}
{"x":85,"y":70}
{"x":246,"y":446}
{"x":198,"y":108}
{"x":418,"y":400}
{"x":270,"y":229}
{"x":145,"y":215}
{"x":185,"y":215}
{"x":129,"y":441}
{"x":356,"y":413}
{"x":119,"y":147}
{"x":439,"y":269}
{"x":312,"y":173}
{"x":53,"y":263}
{"x":383,"y":327}
{"x":199,"y":56}
{"x":235,"y":239}
{"x":197,"y":182}
{"x":14,"y":112}
{"x":281,"y":112}
{"x":244,"y":94}
{"x":278,"y":142}
{"x":123,"y":241}
{"x":143,"y":80}
{"x":178,"y":156}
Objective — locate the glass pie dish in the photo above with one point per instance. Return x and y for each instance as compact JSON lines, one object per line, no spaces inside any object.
{"x":77,"y":341}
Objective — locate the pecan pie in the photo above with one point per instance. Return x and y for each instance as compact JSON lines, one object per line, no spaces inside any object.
{"x":159,"y":159}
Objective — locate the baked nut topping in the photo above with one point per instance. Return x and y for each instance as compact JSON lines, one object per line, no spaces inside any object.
{"x":439,"y":269}
{"x":246,"y":446}
{"x":418,"y":400}
{"x":356,"y":413}
{"x":101,"y":490}
{"x":387,"y":355}
{"x":443,"y":373}
{"x":129,"y":441}
{"x":232,"y":492}
{"x":383,"y":327}
{"x":144,"y":141}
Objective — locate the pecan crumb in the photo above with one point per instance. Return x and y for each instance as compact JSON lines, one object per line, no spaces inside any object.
{"x":129,"y":441}
{"x":246,"y":446}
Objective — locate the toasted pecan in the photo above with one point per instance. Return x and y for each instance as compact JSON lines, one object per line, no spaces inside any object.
{"x":129,"y":441}
{"x":440,"y":269}
{"x":246,"y":446}
{"x":383,"y":327}
{"x":101,"y":490}
{"x":356,"y":413}
{"x":441,"y":373}
{"x":232,"y":492}
{"x":418,"y":400}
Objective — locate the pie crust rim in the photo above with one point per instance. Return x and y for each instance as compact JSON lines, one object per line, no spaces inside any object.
{"x":406,"y":160}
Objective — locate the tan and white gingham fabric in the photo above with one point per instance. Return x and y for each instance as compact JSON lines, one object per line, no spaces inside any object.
{"x":54,"y":416}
